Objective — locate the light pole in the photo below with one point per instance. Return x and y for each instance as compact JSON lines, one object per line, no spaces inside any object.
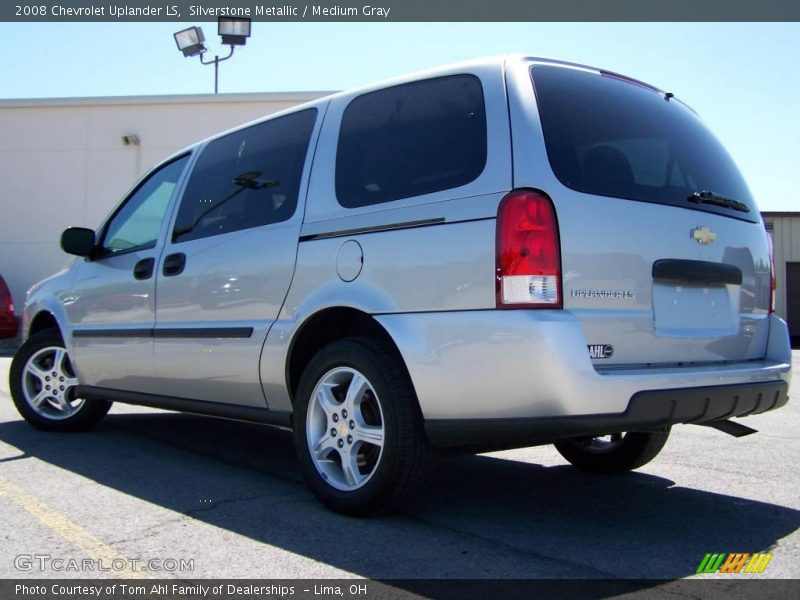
{"x":234,"y":32}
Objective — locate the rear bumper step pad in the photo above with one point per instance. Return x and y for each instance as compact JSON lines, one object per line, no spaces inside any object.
{"x":651,"y":409}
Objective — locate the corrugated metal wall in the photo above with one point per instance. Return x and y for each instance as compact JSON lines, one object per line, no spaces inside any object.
{"x":785,"y":230}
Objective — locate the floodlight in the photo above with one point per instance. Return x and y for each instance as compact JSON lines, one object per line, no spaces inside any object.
{"x":234,"y":31}
{"x":190,"y":41}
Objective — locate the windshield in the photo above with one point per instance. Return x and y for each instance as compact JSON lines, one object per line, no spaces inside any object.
{"x":609,"y":136}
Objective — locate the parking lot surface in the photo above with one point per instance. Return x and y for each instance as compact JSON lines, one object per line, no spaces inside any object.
{"x":227,"y":499}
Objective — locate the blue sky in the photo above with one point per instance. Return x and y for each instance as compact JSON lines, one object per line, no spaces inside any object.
{"x":743,"y":78}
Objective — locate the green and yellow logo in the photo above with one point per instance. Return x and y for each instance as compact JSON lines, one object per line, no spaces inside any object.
{"x":734,"y":562}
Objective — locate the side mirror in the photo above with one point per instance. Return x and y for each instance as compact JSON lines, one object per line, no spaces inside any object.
{"x":78,"y":241}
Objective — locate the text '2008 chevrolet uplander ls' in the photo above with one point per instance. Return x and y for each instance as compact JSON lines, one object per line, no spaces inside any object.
{"x":490,"y":255}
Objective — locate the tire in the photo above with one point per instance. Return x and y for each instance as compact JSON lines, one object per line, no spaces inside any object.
{"x":624,"y":451}
{"x":374,"y":458}
{"x":43,"y":361}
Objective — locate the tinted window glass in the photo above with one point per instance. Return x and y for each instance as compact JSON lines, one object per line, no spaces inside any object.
{"x":246,"y":179}
{"x":411,"y":139}
{"x":137,"y":223}
{"x":611,"y":137}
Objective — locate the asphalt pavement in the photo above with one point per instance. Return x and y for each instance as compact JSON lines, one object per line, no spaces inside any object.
{"x":227,"y":499}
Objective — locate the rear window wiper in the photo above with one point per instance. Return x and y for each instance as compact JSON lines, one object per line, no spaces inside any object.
{"x":706,"y":197}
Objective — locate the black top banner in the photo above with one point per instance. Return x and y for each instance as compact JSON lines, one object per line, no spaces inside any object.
{"x":403,"y":10}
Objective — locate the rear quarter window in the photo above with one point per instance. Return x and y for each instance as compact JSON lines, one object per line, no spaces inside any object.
{"x":411,"y":139}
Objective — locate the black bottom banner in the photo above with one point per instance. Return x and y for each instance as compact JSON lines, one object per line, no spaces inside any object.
{"x":457,"y":589}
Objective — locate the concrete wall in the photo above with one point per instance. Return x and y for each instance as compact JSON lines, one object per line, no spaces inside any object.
{"x":63,"y":162}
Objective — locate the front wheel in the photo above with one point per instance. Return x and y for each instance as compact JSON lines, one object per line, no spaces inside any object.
{"x":43,"y":385}
{"x":614,"y":453}
{"x":358,"y":429}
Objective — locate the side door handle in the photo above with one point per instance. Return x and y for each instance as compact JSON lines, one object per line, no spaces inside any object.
{"x":174,"y":264}
{"x":144,"y":268}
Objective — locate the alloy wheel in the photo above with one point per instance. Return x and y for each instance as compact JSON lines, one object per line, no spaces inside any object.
{"x":345,"y":429}
{"x":48,"y":384}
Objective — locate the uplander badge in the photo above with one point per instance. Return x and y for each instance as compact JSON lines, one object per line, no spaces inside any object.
{"x":583,"y":293}
{"x":601,"y":351}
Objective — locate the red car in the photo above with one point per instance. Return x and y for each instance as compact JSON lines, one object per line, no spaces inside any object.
{"x":9,"y":322}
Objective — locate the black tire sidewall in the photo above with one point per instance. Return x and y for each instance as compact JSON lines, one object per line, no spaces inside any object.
{"x":401,"y":425}
{"x":635,"y":450}
{"x":85,"y":418}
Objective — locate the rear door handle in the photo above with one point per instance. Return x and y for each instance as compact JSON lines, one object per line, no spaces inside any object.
{"x":144,"y":268}
{"x":174,"y":264}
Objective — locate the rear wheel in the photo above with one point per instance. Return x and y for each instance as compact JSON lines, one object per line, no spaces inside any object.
{"x":623,"y":451}
{"x":358,"y":429}
{"x":43,"y":385}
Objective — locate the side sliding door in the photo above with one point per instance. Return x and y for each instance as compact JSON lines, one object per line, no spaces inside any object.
{"x":229,"y":260}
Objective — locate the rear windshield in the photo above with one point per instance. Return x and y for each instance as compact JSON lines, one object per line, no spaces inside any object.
{"x":612,"y":137}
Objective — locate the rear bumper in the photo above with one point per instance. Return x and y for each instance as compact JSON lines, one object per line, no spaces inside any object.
{"x":647,"y":410}
{"x":531,"y":366}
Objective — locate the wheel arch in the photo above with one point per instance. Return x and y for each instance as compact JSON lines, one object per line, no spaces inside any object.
{"x":43,"y":320}
{"x":326,"y":326}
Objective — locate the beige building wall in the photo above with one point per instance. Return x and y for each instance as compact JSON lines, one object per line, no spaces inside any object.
{"x":63,"y":162}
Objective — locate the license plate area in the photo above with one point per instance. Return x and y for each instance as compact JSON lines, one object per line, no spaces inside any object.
{"x":695,"y":310}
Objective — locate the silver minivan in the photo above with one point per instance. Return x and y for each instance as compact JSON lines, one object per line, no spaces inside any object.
{"x":490,"y":255}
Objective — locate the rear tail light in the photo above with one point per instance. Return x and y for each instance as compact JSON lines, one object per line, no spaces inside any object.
{"x":772,"y":282}
{"x":528,"y":257}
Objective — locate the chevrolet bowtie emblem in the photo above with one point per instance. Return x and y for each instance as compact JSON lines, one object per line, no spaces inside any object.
{"x":703,"y":236}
